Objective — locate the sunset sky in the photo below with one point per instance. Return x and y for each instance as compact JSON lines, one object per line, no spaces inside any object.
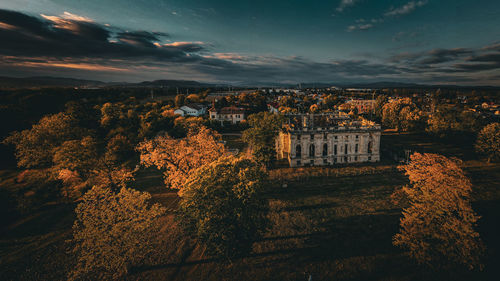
{"x":292,"y":41}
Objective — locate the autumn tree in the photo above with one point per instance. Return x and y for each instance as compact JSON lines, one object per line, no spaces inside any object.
{"x":437,"y":228}
{"x":264,"y":127}
{"x":179,"y":100}
{"x":35,"y":147}
{"x":401,"y":114}
{"x":488,"y":142}
{"x":223,"y":207}
{"x":114,"y":231}
{"x":380,"y":101}
{"x":178,"y":158}
{"x":446,"y":121}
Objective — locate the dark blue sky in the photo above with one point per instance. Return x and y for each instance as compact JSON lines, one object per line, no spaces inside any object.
{"x":425,"y":41}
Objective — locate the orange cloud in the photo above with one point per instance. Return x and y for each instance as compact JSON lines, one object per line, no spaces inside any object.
{"x":81,"y":66}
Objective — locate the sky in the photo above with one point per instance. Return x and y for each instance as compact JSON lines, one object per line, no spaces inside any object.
{"x":244,"y":42}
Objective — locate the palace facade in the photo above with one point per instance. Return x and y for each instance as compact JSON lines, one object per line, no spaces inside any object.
{"x":327,"y":139}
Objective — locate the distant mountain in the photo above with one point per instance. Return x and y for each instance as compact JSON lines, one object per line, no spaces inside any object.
{"x":46,"y":82}
{"x":172,"y":83}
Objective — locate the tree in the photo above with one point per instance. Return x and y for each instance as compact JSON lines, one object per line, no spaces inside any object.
{"x":438,"y":227}
{"x":379,"y":105}
{"x":77,"y":155}
{"x":222,"y":205}
{"x":488,"y":142}
{"x":178,"y":158}
{"x":446,"y":121}
{"x":264,"y":127}
{"x":179,"y":100}
{"x":114,"y":231}
{"x":401,"y":114}
{"x":35,"y":147}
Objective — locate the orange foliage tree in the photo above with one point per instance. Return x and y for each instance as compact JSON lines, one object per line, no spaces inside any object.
{"x":438,"y":227}
{"x":114,"y":231}
{"x":177,"y":158}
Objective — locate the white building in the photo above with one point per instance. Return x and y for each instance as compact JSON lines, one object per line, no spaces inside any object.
{"x":325,"y":139}
{"x":231,"y":114}
{"x":194,"y":109}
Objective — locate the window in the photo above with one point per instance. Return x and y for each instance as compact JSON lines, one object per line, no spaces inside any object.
{"x":324,"y":136}
{"x":311,"y":162}
{"x":345,"y":159}
{"x":298,"y":151}
{"x":335,"y":150}
{"x":356,"y":148}
{"x":311,"y":150}
{"x":298,"y":162}
{"x":355,"y":158}
{"x":325,"y":161}
{"x":335,"y":160}
{"x":298,"y":137}
{"x":369,"y":158}
{"x":346,"y":148}
{"x":312,"y":137}
{"x":357,"y":137}
{"x":335,"y":137}
{"x":325,"y":149}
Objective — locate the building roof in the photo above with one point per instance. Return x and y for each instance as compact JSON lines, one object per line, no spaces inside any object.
{"x":196,"y":106}
{"x":232,"y":110}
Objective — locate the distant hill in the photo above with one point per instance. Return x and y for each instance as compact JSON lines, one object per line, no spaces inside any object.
{"x":172,"y":83}
{"x":60,"y":82}
{"x":46,"y":82}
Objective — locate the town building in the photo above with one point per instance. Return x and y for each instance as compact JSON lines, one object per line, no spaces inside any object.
{"x":362,"y":106}
{"x":327,"y":139}
{"x":230,"y":114}
{"x":194,"y":109}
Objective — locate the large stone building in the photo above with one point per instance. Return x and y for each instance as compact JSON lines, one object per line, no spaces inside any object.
{"x":326,"y":139}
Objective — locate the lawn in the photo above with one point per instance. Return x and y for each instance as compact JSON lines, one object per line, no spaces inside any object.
{"x":331,"y":223}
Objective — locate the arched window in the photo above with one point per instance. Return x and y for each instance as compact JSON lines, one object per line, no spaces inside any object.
{"x":325,"y":149}
{"x":298,"y":151}
{"x":311,"y":150}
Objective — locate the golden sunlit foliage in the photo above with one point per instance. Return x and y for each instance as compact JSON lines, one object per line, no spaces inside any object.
{"x":401,"y":114}
{"x":488,"y":142}
{"x":264,"y":127}
{"x":438,"y":227}
{"x":222,"y":205}
{"x":114,"y":231}
{"x":447,"y":121}
{"x":178,"y":158}
{"x":35,"y":147}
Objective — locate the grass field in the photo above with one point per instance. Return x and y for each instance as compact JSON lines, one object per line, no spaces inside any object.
{"x":330,"y":223}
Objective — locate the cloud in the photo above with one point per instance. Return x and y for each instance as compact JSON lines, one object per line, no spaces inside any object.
{"x":403,"y":10}
{"x":71,"y":45}
{"x":406,"y":8}
{"x":344,"y":4}
{"x":77,"y":37}
{"x":360,"y":27}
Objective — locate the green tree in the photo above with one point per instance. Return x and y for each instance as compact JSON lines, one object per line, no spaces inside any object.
{"x":222,"y":206}
{"x":114,"y":231}
{"x":438,"y":227}
{"x":264,"y":127}
{"x":488,"y":142}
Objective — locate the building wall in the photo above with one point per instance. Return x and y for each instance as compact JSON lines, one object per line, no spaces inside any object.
{"x":286,"y":145}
